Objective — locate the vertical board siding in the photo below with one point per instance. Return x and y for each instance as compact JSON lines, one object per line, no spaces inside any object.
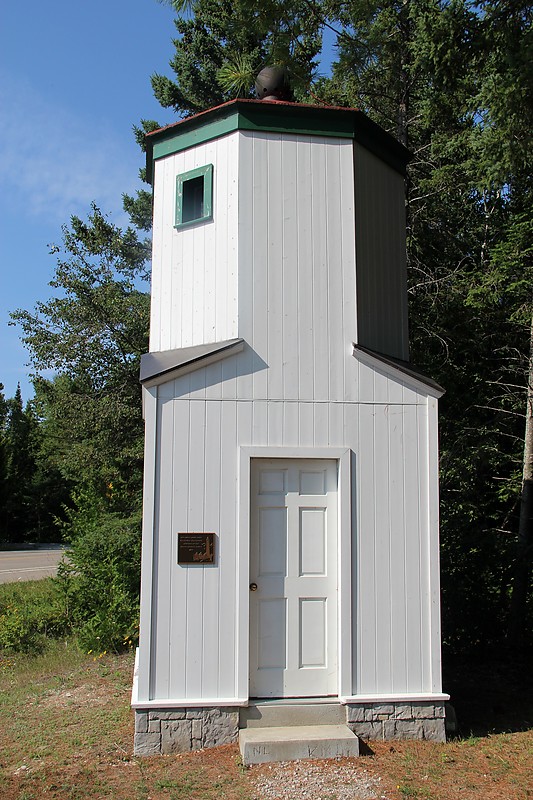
{"x":290,"y":270}
{"x":424,"y":549}
{"x":381,"y":266}
{"x":397,"y":535}
{"x":364,"y":595}
{"x":164,"y":585}
{"x":178,"y":599}
{"x":194,"y":269}
{"x":277,"y":267}
{"x":413,"y":568}
{"x":194,"y":607}
{"x":319,"y":278}
{"x":381,"y":507}
{"x":296,"y":265}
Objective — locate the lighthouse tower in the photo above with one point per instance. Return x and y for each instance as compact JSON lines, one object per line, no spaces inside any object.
{"x":290,"y":540}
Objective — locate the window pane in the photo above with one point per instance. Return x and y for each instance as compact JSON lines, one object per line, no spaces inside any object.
{"x":193,"y":199}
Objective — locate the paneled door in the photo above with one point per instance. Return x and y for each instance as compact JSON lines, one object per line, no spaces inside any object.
{"x":293,"y":578}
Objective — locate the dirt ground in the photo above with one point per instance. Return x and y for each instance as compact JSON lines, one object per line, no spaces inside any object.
{"x":66,"y":733}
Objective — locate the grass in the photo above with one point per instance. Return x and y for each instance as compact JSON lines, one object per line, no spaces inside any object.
{"x":31,"y":613}
{"x":66,"y":733}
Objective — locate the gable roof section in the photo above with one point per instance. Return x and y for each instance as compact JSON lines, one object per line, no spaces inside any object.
{"x":275,"y":116}
{"x":403,"y":370}
{"x":163,"y":366}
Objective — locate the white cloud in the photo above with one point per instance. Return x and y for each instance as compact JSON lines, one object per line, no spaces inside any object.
{"x":54,"y":163}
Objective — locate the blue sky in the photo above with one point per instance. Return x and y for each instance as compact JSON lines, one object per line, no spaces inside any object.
{"x":74,"y":79}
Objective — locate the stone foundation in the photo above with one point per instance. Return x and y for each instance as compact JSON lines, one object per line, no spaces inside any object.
{"x":415,"y":720}
{"x":161,"y":731}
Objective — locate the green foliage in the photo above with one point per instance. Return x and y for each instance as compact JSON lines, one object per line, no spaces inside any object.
{"x":453,"y":82}
{"x":236,"y":77}
{"x":3,"y":459}
{"x":20,"y":466}
{"x":32,"y":491}
{"x":221,"y":46}
{"x":139,"y":208}
{"x":92,"y":335}
{"x":31,"y":614}
{"x":449,"y":80}
{"x":100,"y":580}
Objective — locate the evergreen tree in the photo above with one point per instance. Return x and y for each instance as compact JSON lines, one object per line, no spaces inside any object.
{"x":91,"y":335}
{"x":89,"y":421}
{"x":20,"y":469}
{"x":452,"y":81}
{"x":3,"y":464}
{"x":221,"y":46}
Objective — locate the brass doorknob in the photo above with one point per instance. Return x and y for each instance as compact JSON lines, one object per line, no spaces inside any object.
{"x":253,"y":587}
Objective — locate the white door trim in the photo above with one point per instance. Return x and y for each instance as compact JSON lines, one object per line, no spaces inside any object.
{"x":346,"y":524}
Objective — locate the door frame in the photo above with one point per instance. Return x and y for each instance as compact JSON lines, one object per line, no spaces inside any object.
{"x":346,"y":524}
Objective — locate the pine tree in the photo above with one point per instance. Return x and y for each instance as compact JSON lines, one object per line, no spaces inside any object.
{"x":453,"y":82}
{"x":3,"y":464}
{"x":20,"y":468}
{"x":221,"y":46}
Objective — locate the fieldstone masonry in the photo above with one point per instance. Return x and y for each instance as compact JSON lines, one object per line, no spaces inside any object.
{"x":179,"y":730}
{"x":415,"y":720}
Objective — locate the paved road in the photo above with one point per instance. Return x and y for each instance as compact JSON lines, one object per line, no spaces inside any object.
{"x":29,"y":565}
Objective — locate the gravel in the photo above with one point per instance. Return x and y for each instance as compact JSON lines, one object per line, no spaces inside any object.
{"x":306,"y":780}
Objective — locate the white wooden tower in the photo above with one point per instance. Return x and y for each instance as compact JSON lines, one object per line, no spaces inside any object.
{"x":283,"y":418}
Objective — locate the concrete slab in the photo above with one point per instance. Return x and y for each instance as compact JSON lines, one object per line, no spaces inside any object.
{"x":262,"y":745}
{"x":275,"y":714}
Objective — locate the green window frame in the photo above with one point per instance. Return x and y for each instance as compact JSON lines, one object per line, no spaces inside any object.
{"x":194,"y":196}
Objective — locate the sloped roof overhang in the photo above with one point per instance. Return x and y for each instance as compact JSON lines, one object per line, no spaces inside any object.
{"x":279,"y":117}
{"x":165,"y":365}
{"x":403,"y":370}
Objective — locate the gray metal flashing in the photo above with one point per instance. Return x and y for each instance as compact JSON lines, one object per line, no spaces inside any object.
{"x":165,"y":365}
{"x":403,"y":367}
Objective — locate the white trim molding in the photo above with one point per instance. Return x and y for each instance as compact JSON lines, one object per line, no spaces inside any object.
{"x":395,"y":698}
{"x":207,"y":702}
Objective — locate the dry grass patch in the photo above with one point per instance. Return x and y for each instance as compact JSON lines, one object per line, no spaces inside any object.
{"x":66,"y":733}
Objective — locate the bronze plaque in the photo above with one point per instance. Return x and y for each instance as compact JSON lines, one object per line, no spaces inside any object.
{"x":196,"y":548}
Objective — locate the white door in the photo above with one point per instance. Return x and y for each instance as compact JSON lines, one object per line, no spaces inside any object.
{"x":293,"y":578}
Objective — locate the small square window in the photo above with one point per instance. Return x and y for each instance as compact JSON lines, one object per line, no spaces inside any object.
{"x":194,"y":196}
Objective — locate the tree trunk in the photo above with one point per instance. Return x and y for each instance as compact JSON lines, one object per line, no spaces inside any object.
{"x":522,"y":572}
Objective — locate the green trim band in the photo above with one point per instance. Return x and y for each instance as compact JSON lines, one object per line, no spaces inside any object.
{"x":184,"y":141}
{"x":285,"y":118}
{"x":237,"y":122}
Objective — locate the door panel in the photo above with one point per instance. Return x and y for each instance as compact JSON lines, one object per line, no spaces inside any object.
{"x":312,"y":541}
{"x":293,"y":612}
{"x":271,"y":618}
{"x":313,"y":632}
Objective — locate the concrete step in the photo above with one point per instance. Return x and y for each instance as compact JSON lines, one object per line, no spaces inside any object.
{"x":284,"y":713}
{"x":262,"y":745}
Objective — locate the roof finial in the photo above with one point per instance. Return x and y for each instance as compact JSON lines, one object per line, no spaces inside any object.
{"x":272,"y":83}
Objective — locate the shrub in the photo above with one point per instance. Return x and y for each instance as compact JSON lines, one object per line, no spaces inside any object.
{"x":100,"y":581}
